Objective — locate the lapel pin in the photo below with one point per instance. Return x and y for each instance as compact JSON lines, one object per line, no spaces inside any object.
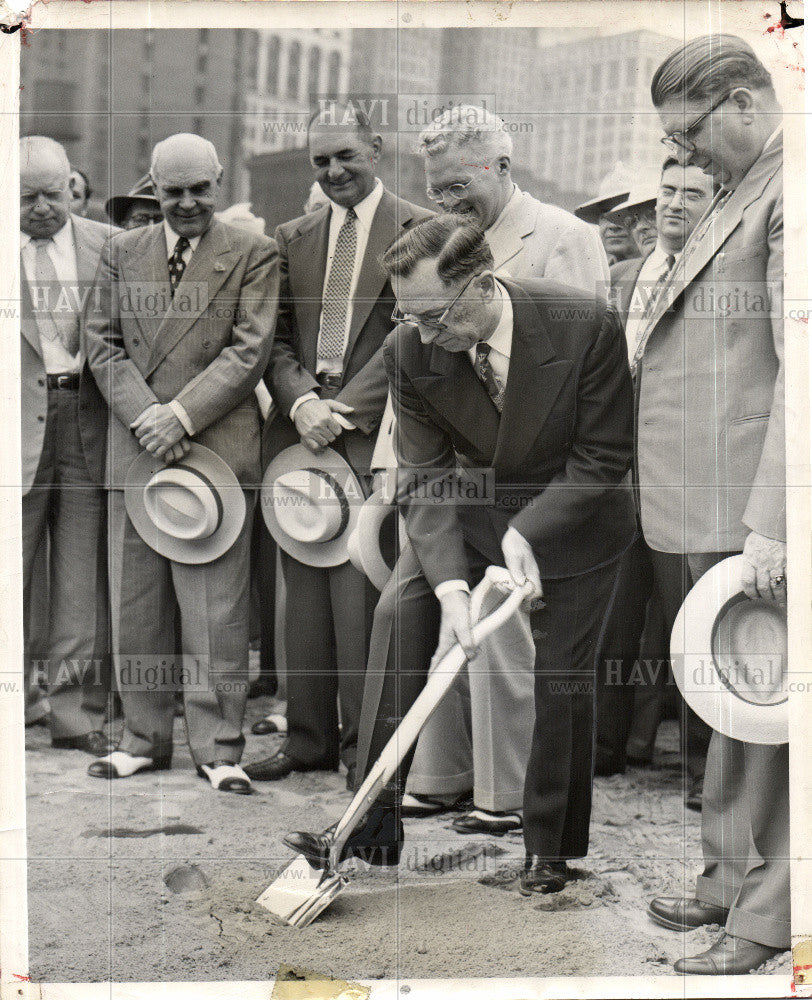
{"x":219,"y":267}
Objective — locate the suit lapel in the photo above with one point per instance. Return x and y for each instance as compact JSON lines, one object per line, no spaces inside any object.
{"x":145,"y":269}
{"x":307,"y":263}
{"x":505,"y":236}
{"x":28,"y":324}
{"x":534,"y":381}
{"x":203,"y":278}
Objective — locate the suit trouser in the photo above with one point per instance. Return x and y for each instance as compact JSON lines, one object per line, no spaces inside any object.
{"x":567,"y":633}
{"x":65,"y":503}
{"x":480,"y":735}
{"x":745,"y":838}
{"x":328,"y":619}
{"x":213,"y":600}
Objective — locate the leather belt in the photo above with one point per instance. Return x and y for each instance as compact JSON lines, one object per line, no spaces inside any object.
{"x":329,"y":381}
{"x":68,"y":380}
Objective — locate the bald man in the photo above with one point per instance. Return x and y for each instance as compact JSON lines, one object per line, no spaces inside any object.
{"x":171,"y":378}
{"x":64,"y":422}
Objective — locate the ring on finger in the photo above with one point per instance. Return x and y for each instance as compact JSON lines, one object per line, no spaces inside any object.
{"x":777,"y":581}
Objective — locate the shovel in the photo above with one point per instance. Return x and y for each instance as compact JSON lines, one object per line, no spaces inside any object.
{"x":301,"y":892}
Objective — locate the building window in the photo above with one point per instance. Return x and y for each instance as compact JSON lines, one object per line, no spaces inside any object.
{"x":272,"y":66}
{"x":333,"y":70}
{"x":202,"y":61}
{"x":595,"y":78}
{"x":294,"y":69}
{"x":313,"y":72}
{"x":203,"y":36}
{"x":197,"y":125}
{"x":200,"y":95}
{"x":631,"y":73}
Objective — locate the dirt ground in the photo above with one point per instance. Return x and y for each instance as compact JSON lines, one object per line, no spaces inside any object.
{"x":156,"y":877}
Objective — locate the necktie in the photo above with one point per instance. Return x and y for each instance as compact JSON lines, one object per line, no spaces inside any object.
{"x":177,"y":265}
{"x":670,"y":260}
{"x":54,"y":323}
{"x":337,"y":291}
{"x":484,"y":370}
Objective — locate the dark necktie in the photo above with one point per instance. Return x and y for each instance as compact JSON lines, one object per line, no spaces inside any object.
{"x":336,"y":301}
{"x":670,"y":260}
{"x":484,"y":370}
{"x":54,"y":323}
{"x":177,"y":265}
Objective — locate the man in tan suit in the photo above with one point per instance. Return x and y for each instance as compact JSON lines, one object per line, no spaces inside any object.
{"x":171,"y":376}
{"x":710,"y":431}
{"x":64,"y":423}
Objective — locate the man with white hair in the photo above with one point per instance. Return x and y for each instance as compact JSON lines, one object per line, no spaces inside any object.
{"x":182,"y":372}
{"x":467,"y":152}
{"x":64,"y":422}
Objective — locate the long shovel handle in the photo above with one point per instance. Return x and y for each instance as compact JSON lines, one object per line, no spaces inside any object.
{"x":439,"y":681}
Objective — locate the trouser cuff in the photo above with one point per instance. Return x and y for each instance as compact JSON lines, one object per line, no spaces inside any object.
{"x":773,"y":932}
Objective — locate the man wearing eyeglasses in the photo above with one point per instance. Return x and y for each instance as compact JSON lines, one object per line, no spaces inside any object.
{"x":710,"y":456}
{"x":329,"y":388}
{"x":467,"y":152}
{"x":531,"y":381}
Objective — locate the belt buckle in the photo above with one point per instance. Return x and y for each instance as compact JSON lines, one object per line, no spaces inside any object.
{"x":64,"y":381}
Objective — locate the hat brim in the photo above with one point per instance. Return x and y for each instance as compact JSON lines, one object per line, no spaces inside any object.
{"x":117,"y":206}
{"x":365,"y":542}
{"x":591,"y":211}
{"x":702,"y":686}
{"x":181,"y":550}
{"x":294,"y":459}
{"x":617,"y":213}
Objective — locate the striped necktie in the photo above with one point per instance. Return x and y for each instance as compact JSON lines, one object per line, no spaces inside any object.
{"x":484,"y":370}
{"x":54,"y":323}
{"x":336,"y":302}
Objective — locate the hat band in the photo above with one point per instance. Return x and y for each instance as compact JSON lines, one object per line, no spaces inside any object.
{"x":204,"y":482}
{"x":343,"y":502}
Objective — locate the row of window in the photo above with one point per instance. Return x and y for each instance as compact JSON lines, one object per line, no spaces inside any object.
{"x":293,"y":74}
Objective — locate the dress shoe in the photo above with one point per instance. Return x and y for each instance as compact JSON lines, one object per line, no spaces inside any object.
{"x":378,"y":840}
{"x":497,"y":824}
{"x":225,"y":776}
{"x":729,"y":956}
{"x":269,"y":725}
{"x":120,"y":764}
{"x":418,"y":806}
{"x":95,"y":743}
{"x":694,"y":797}
{"x":280,"y":766}
{"x":263,"y":687}
{"x":607,"y":764}
{"x":678,"y":914}
{"x":542,"y":875}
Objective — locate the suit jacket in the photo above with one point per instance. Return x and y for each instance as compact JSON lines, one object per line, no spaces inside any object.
{"x":534,"y":240}
{"x":88,"y":240}
{"x":560,"y":450}
{"x":623,"y":277}
{"x":303,"y":258}
{"x":206,"y":348}
{"x":710,"y":430}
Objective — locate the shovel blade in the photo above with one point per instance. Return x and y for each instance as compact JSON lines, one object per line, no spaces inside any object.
{"x":300,"y":892}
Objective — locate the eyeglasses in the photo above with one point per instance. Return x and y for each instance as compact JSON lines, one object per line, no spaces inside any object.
{"x":678,"y":140}
{"x":437,"y":323}
{"x":456,"y":191}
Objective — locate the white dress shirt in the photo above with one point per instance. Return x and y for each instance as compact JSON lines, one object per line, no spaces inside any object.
{"x":365,"y":211}
{"x":653,"y":267}
{"x":500,"y":342}
{"x":62,"y":251}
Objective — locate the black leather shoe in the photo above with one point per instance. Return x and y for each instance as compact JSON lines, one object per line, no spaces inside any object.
{"x":729,"y":956}
{"x":269,"y":725}
{"x":678,"y":914}
{"x":95,"y":743}
{"x":280,"y":766}
{"x":542,"y":875}
{"x":694,"y":797}
{"x":378,"y":840}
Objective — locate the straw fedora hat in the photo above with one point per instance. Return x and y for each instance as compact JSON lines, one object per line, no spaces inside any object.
{"x":729,"y":656}
{"x":613,"y":189}
{"x":311,"y":504}
{"x":117,"y":206}
{"x":375,"y":542}
{"x":191,"y":511}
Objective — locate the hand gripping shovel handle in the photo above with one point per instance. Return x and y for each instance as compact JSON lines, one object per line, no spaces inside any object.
{"x":439,"y":681}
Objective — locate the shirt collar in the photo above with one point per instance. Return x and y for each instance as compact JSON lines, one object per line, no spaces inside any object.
{"x":773,"y":137}
{"x":364,"y":210}
{"x":63,"y":239}
{"x":502,"y":337}
{"x":172,"y":238}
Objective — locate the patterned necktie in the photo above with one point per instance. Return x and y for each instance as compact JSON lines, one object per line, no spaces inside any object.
{"x":54,"y":323}
{"x":336,"y":301}
{"x":177,"y":265}
{"x":484,"y":370}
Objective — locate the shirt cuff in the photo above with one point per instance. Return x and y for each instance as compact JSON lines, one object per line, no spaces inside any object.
{"x":179,"y":411}
{"x":299,"y":401}
{"x":447,"y":586}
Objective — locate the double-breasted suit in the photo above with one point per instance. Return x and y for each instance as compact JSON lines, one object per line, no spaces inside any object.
{"x":64,"y":429}
{"x":206,"y":348}
{"x":330,"y":610}
{"x":560,"y":451}
{"x":711,"y":460}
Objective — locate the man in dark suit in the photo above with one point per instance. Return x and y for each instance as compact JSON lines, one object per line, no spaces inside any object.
{"x":64,"y":427}
{"x":530,"y":380}
{"x":178,"y":371}
{"x":329,"y":387}
{"x":711,"y":460}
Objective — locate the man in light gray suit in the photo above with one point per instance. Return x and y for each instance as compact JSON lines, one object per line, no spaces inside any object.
{"x":186,"y":374}
{"x":64,"y":423}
